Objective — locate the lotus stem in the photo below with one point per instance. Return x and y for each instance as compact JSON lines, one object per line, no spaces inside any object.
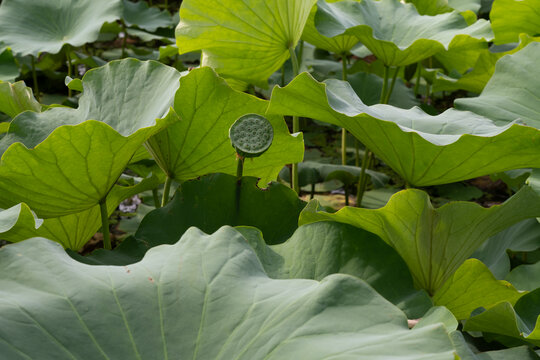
{"x":356,"y":153}
{"x":155,"y":195}
{"x":343,"y":130}
{"x":124,"y":40}
{"x":239,"y":167}
{"x":362,"y":182}
{"x":394,"y":78}
{"x":34,"y":77}
{"x":68,"y":60}
{"x":105,"y":224}
{"x":296,"y":124}
{"x":166,"y":190}
{"x":418,"y":77}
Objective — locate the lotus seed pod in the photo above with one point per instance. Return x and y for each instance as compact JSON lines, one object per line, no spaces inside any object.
{"x":251,"y":135}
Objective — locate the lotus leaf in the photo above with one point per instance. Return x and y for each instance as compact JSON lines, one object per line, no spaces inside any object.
{"x":524,"y":236}
{"x":521,"y":321}
{"x":394,"y":32}
{"x":71,"y":231}
{"x":242,"y":39}
{"x":209,"y":203}
{"x":72,"y":168}
{"x":510,"y":18}
{"x":423,"y":149}
{"x":206,"y":297}
{"x":200,"y":144}
{"x":340,"y":44}
{"x":320,"y":249}
{"x":433,"y":242}
{"x":9,"y":70}
{"x":53,"y":23}
{"x":434,"y":7}
{"x":473,"y":286}
{"x":511,"y":93}
{"x":16,"y":98}
{"x":148,"y":18}
{"x":525,"y":277}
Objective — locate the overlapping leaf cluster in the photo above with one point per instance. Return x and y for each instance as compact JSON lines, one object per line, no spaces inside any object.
{"x":278,"y":278}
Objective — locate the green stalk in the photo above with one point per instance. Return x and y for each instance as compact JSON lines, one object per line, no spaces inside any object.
{"x":418,"y":76}
{"x":239,"y":168}
{"x":105,"y":224}
{"x":368,"y":155}
{"x":357,"y":153}
{"x":428,"y":86}
{"x":296,"y":124}
{"x":394,"y":78}
{"x":343,"y":130}
{"x":124,"y":40}
{"x":155,"y":195}
{"x":300,"y":51}
{"x":68,"y":59}
{"x":362,"y":182}
{"x":239,"y":173}
{"x":166,"y":190}
{"x":34,"y":77}
{"x":384,"y":86}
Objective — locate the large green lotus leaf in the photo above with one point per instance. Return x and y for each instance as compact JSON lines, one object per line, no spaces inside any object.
{"x":470,"y":64}
{"x":434,"y":7}
{"x":368,"y":87}
{"x":9,"y":69}
{"x":511,"y":93}
{"x":320,"y":249}
{"x":524,"y":236}
{"x":74,"y":168}
{"x":210,"y":202}
{"x":340,"y":44}
{"x":473,"y":286}
{"x":128,"y":95}
{"x":510,"y":18}
{"x":395,"y":32}
{"x":71,"y":231}
{"x":423,"y":149}
{"x":520,"y":321}
{"x":206,"y":297}
{"x":466,"y":352}
{"x":31,"y":27}
{"x":148,"y":18}
{"x":200,"y":144}
{"x":243,"y":39}
{"x":16,"y":216}
{"x":16,"y":98}
{"x":433,"y":242}
{"x":525,"y":277}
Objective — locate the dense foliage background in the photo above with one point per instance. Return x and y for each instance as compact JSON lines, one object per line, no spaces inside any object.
{"x":393,"y":216}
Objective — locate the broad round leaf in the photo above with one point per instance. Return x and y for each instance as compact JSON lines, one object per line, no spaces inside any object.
{"x":207,"y":297}
{"x":473,"y":286}
{"x":394,"y":32}
{"x":71,"y":231}
{"x":320,"y":249}
{"x":433,"y":242}
{"x":200,"y":145}
{"x":521,"y":321}
{"x":32,"y":27}
{"x":72,"y":168}
{"x":148,"y":18}
{"x":16,"y":98}
{"x":423,"y":149}
{"x":243,"y":39}
{"x":510,"y":18}
{"x":210,"y":203}
{"x":512,"y":92}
